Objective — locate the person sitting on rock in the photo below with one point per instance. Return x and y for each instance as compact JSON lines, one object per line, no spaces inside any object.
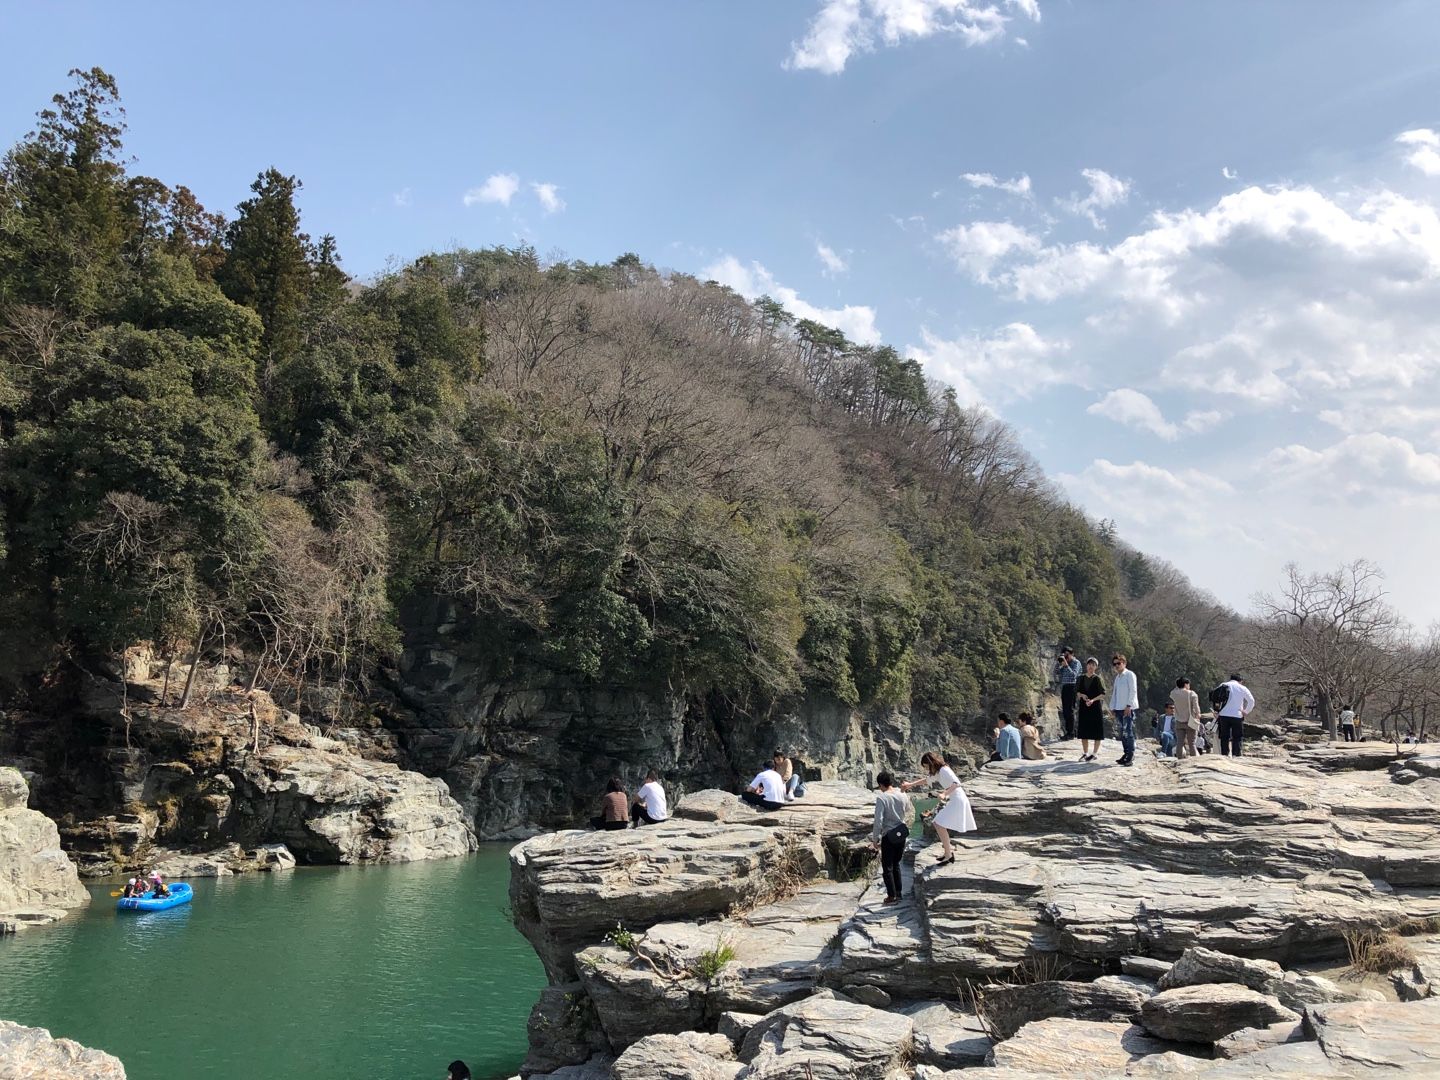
{"x":794,"y":788}
{"x":767,"y":790}
{"x":649,"y":807}
{"x":893,"y":814}
{"x":1008,"y":743}
{"x":953,"y":814}
{"x":614,"y":808}
{"x":1030,"y":747}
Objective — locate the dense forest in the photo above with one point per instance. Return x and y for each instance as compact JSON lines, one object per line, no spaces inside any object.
{"x":214,"y":440}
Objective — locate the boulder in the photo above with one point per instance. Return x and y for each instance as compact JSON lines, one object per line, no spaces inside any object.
{"x":38,"y":882}
{"x":1081,"y":1049}
{"x":827,"y":1038}
{"x":946,"y":1036}
{"x":1198,"y":966}
{"x":31,"y":1054}
{"x":563,"y":1030}
{"x":1144,"y":967}
{"x":1010,"y":1007}
{"x":691,"y":1056}
{"x":222,"y":862}
{"x":1205,"y":1014}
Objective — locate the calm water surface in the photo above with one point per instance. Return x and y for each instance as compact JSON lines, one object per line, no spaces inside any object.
{"x":385,"y":973}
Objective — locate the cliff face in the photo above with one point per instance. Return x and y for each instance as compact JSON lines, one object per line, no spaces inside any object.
{"x":532,"y":749}
{"x":38,"y":881}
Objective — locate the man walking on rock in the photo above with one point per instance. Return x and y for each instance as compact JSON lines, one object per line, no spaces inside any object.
{"x":1124,"y":700}
{"x":1068,"y":669}
{"x":1232,"y":712}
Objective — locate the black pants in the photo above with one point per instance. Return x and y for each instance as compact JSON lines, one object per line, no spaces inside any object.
{"x":1348,"y":730}
{"x":1232,"y":733}
{"x":892,"y":849}
{"x":760,"y":802}
{"x":640,"y":816}
{"x":601,"y":823}
{"x":1067,"y":709}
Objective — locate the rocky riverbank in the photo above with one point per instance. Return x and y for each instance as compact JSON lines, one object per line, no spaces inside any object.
{"x":1168,"y":918}
{"x":38,"y":883}
{"x":28,"y":1053}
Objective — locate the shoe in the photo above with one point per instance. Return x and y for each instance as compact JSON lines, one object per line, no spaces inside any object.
{"x":1127,"y":761}
{"x":891,"y":900}
{"x":1122,"y":760}
{"x":946,"y":862}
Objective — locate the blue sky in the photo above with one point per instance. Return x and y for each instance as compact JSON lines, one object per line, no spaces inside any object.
{"x":1191,"y":251}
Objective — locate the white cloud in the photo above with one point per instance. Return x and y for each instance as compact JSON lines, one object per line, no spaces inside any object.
{"x":499,"y":188}
{"x":1354,"y":417}
{"x":1425,"y":152}
{"x":1133,"y":409}
{"x":549,"y":196}
{"x":1012,"y":363}
{"x":979,"y":246}
{"x":833,"y":262}
{"x":1367,"y":466}
{"x":1202,"y":420}
{"x":401,"y":198}
{"x":843,"y":28}
{"x":1105,"y":191}
{"x":1228,"y":173}
{"x":1019,"y":186}
{"x":856,"y":322}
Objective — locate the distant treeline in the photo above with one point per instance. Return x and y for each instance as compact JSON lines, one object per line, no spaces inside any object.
{"x":211,"y":438}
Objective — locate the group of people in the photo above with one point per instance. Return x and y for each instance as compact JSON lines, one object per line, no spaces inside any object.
{"x":619,"y":811}
{"x":894,"y":812}
{"x":141,"y":885}
{"x":1018,"y":738}
{"x":1084,"y":698}
{"x":777,"y":783}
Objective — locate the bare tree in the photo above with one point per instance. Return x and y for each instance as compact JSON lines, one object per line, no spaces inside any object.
{"x":1335,"y":632}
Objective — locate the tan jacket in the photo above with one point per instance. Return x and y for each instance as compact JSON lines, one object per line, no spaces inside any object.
{"x":1187,"y":706}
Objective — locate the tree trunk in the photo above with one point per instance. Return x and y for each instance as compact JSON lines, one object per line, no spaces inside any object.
{"x":194,"y":666}
{"x":165,"y":687}
{"x":1327,"y":713}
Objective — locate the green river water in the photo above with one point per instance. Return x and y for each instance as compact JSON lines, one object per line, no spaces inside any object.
{"x":385,"y":973}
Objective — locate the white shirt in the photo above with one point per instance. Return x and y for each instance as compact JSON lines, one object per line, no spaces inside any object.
{"x":1348,"y":716}
{"x":1167,"y":724}
{"x":1240,"y":701}
{"x":772,"y":788}
{"x":653,"y":795}
{"x":1125,"y":694}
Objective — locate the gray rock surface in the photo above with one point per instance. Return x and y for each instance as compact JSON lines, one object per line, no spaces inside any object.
{"x":222,"y":862}
{"x":1204,"y":1014}
{"x":1198,"y":966}
{"x":691,"y":1056}
{"x":1378,"y":1036}
{"x":38,"y":882}
{"x":946,"y":1036}
{"x":1075,"y":1048}
{"x":1251,"y":1039}
{"x":28,"y":1053}
{"x":1011,"y":1007}
{"x":828,"y":1039}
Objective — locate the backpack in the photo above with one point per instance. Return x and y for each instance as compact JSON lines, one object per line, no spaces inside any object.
{"x":1219,"y":696}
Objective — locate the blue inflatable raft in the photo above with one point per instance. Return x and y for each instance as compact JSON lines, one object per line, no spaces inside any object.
{"x":180,"y":893}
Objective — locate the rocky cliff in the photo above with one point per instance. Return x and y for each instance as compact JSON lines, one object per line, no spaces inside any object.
{"x":28,"y":1053}
{"x":38,"y":882}
{"x":1214,"y":917}
{"x":525,"y":750}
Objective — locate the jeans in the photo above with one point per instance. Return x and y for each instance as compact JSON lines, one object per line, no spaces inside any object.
{"x":1067,"y":709}
{"x":892,"y":849}
{"x":794,"y":787}
{"x":760,"y":802}
{"x":1125,"y":731}
{"x":1167,"y":744}
{"x":1232,"y":732}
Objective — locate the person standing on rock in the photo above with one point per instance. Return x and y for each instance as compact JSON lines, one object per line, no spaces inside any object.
{"x":1347,"y":723}
{"x":1187,"y":717}
{"x":614,"y":808}
{"x":1231,"y":713}
{"x":1090,"y":695}
{"x":767,"y":790}
{"x":893,"y":814}
{"x":953,"y":814}
{"x":1124,"y":700}
{"x":649,"y":807}
{"x":1068,"y":671}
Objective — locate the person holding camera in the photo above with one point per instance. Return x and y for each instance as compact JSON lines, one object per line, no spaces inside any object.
{"x":1067,"y":670}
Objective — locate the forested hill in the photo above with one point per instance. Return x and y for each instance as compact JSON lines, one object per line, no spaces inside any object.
{"x":211,"y":438}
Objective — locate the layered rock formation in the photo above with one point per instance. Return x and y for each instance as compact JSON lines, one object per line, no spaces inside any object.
{"x":233,"y":769}
{"x":38,"y":882}
{"x":1102,"y":922}
{"x":28,"y":1053}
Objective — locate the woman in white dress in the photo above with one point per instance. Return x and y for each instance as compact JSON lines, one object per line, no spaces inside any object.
{"x":953,"y":814}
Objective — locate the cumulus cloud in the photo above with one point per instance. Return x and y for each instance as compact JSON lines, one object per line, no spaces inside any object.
{"x":843,"y":28}
{"x":1012,"y":363}
{"x":1105,"y":191}
{"x":1367,"y":466}
{"x":856,"y":322}
{"x":1424,"y":149}
{"x":549,"y":196}
{"x":499,"y":188}
{"x":981,"y":245}
{"x":1133,"y":409}
{"x":1019,"y":186}
{"x":830,"y":259}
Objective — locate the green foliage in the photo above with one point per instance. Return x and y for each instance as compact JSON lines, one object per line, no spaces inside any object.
{"x":621,"y":938}
{"x":710,"y":963}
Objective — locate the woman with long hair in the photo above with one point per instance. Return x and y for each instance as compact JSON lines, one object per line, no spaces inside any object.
{"x":953,"y":814}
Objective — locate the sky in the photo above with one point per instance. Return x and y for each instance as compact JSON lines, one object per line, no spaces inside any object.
{"x":1189,"y":251}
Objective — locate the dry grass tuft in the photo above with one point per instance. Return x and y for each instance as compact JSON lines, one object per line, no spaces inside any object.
{"x":1377,"y":952}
